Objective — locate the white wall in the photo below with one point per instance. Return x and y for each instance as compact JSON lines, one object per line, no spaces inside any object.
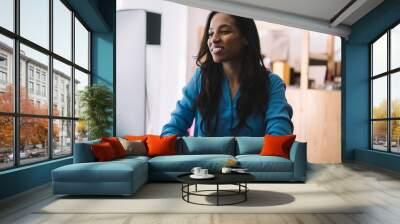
{"x":165,"y":64}
{"x":130,"y":72}
{"x":196,"y":22}
{"x":174,"y":58}
{"x":152,"y":5}
{"x":153,"y":73}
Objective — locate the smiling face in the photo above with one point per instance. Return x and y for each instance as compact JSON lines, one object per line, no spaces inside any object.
{"x":224,"y":40}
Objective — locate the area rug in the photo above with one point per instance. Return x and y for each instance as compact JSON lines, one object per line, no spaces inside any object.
{"x":167,"y":198}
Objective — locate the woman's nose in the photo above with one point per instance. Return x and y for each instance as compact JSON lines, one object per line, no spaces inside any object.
{"x":215,"y":38}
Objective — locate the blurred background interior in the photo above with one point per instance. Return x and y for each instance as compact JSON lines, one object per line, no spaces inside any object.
{"x":308,"y":62}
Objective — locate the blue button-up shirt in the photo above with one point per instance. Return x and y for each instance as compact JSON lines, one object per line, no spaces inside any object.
{"x":277,"y":119}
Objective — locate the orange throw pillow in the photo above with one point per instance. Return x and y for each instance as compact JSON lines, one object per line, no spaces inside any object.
{"x":277,"y":145}
{"x":136,"y":137}
{"x":103,"y":151}
{"x":161,"y":145}
{"x":116,"y":145}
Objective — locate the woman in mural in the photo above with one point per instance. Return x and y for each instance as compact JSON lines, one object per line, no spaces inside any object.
{"x":231,"y":92}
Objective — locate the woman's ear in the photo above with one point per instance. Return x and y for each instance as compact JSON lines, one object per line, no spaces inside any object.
{"x":244,"y":41}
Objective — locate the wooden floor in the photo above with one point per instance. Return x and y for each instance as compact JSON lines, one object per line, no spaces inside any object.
{"x":377,"y":188}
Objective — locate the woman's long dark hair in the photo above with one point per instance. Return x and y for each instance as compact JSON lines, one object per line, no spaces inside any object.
{"x":253,"y":79}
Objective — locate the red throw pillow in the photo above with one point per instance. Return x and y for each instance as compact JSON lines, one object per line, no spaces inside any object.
{"x":277,"y":145}
{"x":161,"y":145}
{"x":103,"y":151}
{"x":116,"y":145}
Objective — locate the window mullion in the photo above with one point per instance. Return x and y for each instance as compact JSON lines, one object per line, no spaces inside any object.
{"x":89,"y":55}
{"x":371,"y":89}
{"x":389,"y":93}
{"x":50,"y":81}
{"x":389,"y":76}
{"x":16,"y":84}
{"x":73,"y":82}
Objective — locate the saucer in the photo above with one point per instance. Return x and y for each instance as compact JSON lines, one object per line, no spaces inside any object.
{"x":240,"y":171}
{"x":208,"y":176}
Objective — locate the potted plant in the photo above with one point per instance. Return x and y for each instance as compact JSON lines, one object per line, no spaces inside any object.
{"x":96,"y":102}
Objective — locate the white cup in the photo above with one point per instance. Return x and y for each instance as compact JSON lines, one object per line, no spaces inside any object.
{"x":203,"y":172}
{"x":196,"y":170}
{"x":226,"y":170}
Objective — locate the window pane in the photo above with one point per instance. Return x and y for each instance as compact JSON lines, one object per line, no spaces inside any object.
{"x":395,"y":47}
{"x":81,"y":131}
{"x":395,"y":94}
{"x":62,"y":29}
{"x":6,"y":142}
{"x":379,"y":135}
{"x":395,"y":129}
{"x":81,"y":45}
{"x":6,"y":74}
{"x":379,"y":55}
{"x":62,"y":89}
{"x":33,"y":139}
{"x":35,"y":21}
{"x":379,"y":97}
{"x":81,"y":81}
{"x":62,"y":138}
{"x":7,"y":14}
{"x":34,"y":79}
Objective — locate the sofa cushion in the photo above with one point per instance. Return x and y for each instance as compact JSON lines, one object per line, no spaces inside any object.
{"x":131,"y":158}
{"x":111,"y":171}
{"x":249,"y":145}
{"x":257,"y":163}
{"x":208,"y":145}
{"x":185,"y":163}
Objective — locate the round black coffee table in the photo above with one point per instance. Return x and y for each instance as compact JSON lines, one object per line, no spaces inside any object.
{"x":238,"y":179}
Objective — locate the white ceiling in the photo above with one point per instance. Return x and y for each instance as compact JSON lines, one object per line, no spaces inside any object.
{"x":315,"y":15}
{"x":319,"y":9}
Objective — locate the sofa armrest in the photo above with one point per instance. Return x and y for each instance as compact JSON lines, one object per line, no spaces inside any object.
{"x":83,"y":152}
{"x":298,"y":155}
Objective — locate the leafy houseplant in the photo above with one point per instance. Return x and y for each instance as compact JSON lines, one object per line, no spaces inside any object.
{"x":96,"y":102}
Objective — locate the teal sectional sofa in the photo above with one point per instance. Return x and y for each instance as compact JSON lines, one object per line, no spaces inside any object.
{"x":125,"y":176}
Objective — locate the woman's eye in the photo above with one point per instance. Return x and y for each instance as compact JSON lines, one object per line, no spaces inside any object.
{"x":210,"y":34}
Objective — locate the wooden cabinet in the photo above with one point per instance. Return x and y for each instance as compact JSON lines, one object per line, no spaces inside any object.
{"x":317,"y":121}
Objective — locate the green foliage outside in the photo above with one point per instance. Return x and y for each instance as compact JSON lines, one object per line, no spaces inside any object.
{"x":96,"y":102}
